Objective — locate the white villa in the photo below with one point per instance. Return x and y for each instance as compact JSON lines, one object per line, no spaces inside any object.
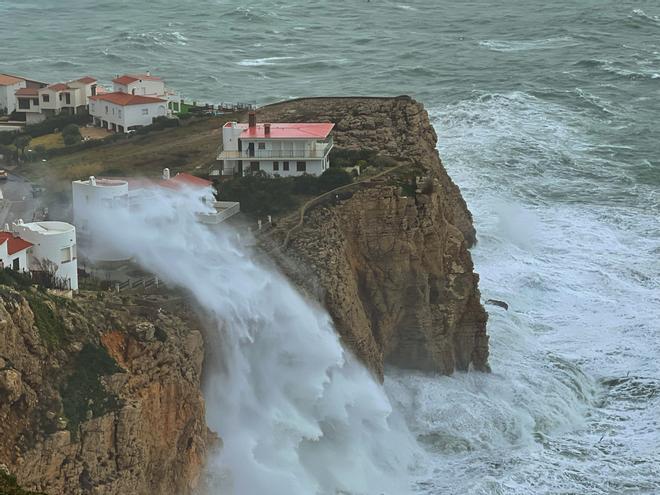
{"x":8,"y":87}
{"x":146,"y":85}
{"x":54,"y":244}
{"x":69,"y":98}
{"x":282,"y":149}
{"x":13,"y":252}
{"x":123,"y":112}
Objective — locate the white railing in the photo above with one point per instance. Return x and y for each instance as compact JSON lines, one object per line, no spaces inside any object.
{"x":307,"y":153}
{"x":223,"y":211}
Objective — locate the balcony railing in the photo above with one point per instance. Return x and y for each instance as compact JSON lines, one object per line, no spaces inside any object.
{"x":307,"y":153}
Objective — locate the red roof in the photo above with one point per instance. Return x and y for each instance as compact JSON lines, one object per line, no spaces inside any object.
{"x":129,"y":78}
{"x":288,"y":131}
{"x":27,"y":92}
{"x":190,"y":180}
{"x":14,"y":243}
{"x":179,"y":180}
{"x":58,"y":87}
{"x":125,"y":99}
{"x":86,"y":80}
{"x":7,"y":80}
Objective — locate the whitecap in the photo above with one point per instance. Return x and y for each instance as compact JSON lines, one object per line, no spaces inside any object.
{"x":256,"y":62}
{"x":524,"y":45}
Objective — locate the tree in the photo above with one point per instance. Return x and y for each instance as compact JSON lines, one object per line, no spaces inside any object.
{"x":333,"y":178}
{"x":22,"y":142}
{"x":71,"y":134}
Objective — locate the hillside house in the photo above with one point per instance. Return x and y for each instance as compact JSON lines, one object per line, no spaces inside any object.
{"x":282,"y":149}
{"x":123,"y":112}
{"x":8,"y":87}
{"x":13,"y":251}
{"x":39,"y":103}
{"x":145,"y":85}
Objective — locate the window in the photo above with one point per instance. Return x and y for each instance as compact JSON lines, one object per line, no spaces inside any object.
{"x":145,"y":111}
{"x":65,"y":255}
{"x":276,"y":166}
{"x":67,"y":98}
{"x":24,"y":103}
{"x":285,"y":166}
{"x":16,"y":264}
{"x":106,"y":109}
{"x":254,"y":166}
{"x":301,"y":166}
{"x":262,"y":146}
{"x":45,"y":98}
{"x":35,"y":102}
{"x":119,"y":113}
{"x":93,"y":89}
{"x":60,"y":95}
{"x":113,"y":110}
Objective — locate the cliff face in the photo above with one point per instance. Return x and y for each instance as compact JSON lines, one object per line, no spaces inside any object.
{"x":99,"y":396}
{"x":389,"y":257}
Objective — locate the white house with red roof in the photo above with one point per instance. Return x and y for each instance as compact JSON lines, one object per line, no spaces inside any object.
{"x":282,"y":149}
{"x":8,"y":87}
{"x":41,"y":101}
{"x":123,"y":112}
{"x":146,"y":85}
{"x":13,"y":251}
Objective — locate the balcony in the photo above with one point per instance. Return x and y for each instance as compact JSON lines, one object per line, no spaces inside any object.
{"x":316,"y":151}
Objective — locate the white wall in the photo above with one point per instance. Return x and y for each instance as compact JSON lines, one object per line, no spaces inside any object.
{"x":55,"y":242}
{"x":313,"y":167}
{"x":7,"y":97}
{"x":7,"y":260}
{"x":142,"y":88}
{"x":129,"y":115}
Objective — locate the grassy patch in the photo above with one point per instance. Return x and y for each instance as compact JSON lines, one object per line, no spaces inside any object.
{"x":15,"y":279}
{"x":9,"y":486}
{"x":49,"y":324}
{"x":83,"y":390}
{"x":48,"y":141}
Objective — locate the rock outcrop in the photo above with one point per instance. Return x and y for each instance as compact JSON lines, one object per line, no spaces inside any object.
{"x":99,"y":396}
{"x":389,"y":257}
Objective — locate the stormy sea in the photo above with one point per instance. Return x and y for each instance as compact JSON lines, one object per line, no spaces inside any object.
{"x":547,"y":119}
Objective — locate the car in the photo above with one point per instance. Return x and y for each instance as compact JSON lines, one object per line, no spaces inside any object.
{"x":3,"y":174}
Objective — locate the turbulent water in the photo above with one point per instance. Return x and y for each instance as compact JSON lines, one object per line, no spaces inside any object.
{"x":546,"y":114}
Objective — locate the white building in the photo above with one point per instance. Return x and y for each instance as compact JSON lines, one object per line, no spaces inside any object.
{"x":282,"y":149}
{"x":54,"y":244}
{"x":146,"y":85}
{"x":8,"y":87}
{"x":122,"y":112}
{"x":13,"y":251}
{"x":70,"y":98}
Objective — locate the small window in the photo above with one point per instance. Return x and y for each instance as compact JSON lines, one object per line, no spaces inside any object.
{"x":285,"y":166}
{"x":276,"y":166}
{"x":119,"y":113}
{"x":262,"y":146}
{"x":301,"y":166}
{"x":106,"y":109}
{"x":45,"y":98}
{"x":145,"y":111}
{"x":113,"y":110}
{"x":65,"y":255}
{"x":23,"y":104}
{"x":67,"y":98}
{"x":35,"y":102}
{"x":16,"y":264}
{"x":254,"y":166}
{"x":60,"y":95}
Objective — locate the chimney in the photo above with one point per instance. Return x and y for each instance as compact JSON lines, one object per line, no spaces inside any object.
{"x":252,"y":120}
{"x":166,"y":174}
{"x":267,"y":129}
{"x":92,"y":180}
{"x":148,"y":72}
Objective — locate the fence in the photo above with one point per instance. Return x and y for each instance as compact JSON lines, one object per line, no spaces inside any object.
{"x":143,"y":283}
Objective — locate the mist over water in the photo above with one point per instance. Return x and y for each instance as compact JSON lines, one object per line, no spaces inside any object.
{"x":296,"y":413}
{"x":546,"y":115}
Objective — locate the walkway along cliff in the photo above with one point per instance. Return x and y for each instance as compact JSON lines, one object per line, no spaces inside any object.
{"x":388,"y":257}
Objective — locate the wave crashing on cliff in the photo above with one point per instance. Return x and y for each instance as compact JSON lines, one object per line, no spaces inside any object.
{"x":297,"y":414}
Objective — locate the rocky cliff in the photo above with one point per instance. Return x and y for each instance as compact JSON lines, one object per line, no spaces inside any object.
{"x":99,"y":395}
{"x":389,"y":256}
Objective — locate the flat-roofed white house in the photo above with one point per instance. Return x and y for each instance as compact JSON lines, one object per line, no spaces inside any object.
{"x":53,"y":247}
{"x":8,"y":87}
{"x":13,"y":252}
{"x":123,"y":112}
{"x":282,"y":149}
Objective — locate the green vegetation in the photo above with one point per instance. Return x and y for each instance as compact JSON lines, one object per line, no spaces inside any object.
{"x":71,"y":134}
{"x":83,"y":393}
{"x":21,"y":142}
{"x":49,"y":323}
{"x":260,"y":194}
{"x":15,"y":279}
{"x":9,"y":486}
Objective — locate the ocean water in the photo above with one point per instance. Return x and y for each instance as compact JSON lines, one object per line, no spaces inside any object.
{"x":547,"y":118}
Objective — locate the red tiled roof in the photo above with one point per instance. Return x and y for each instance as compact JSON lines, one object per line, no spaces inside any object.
{"x":190,"y":180}
{"x":58,"y":87}
{"x":179,"y":180}
{"x":288,"y":131}
{"x":129,"y":78}
{"x":86,"y":80}
{"x":125,"y":99}
{"x":14,"y":243}
{"x":7,"y":80}
{"x":27,"y":92}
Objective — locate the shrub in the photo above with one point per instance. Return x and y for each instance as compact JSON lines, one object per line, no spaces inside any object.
{"x":9,"y":485}
{"x":51,"y":124}
{"x":333,"y":178}
{"x":49,"y":324}
{"x":84,"y":391}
